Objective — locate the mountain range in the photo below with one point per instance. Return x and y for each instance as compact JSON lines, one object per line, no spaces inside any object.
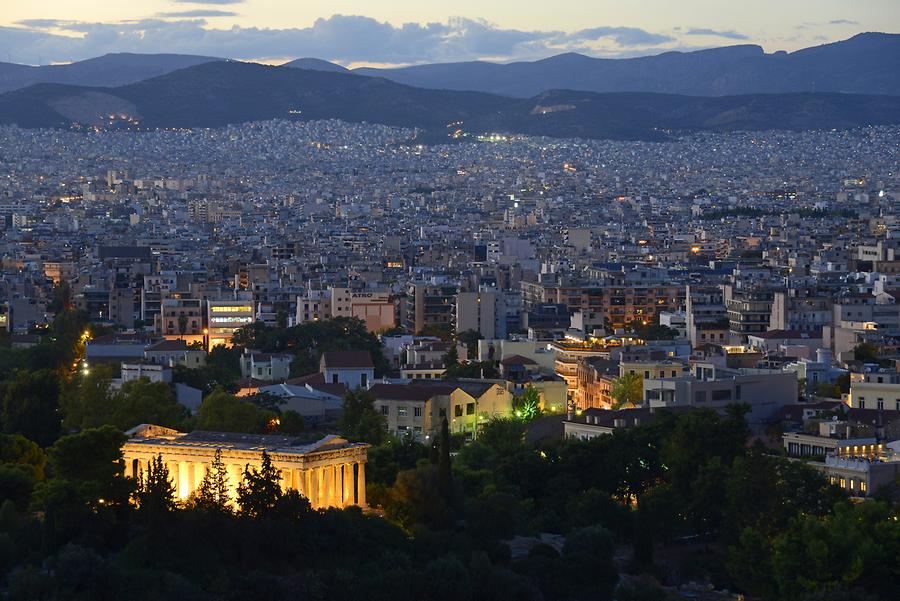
{"x":868,"y":63}
{"x":109,"y":70}
{"x":213,"y":94}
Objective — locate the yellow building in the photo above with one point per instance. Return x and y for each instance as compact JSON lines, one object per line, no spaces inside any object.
{"x":329,"y":472}
{"x":653,"y":370}
{"x":472,"y":404}
{"x":876,"y":390}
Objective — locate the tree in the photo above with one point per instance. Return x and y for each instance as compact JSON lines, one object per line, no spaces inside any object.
{"x":62,"y":298}
{"x":212,"y":493}
{"x":438,"y":330}
{"x":503,"y":436}
{"x":627,"y":390}
{"x":866,"y":352}
{"x":829,"y":390}
{"x":18,"y":450}
{"x":223,"y":412}
{"x":291,"y":423}
{"x":451,"y":357}
{"x":92,"y":461}
{"x":30,"y":406}
{"x":155,"y":494}
{"x":359,"y":421}
{"x":470,"y":338}
{"x":307,"y":341}
{"x":182,"y":325}
{"x":445,"y":477}
{"x":144,"y":402}
{"x":88,"y":403}
{"x":259,"y":491}
{"x":528,"y":405}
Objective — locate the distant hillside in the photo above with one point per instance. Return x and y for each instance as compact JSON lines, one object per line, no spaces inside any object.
{"x":868,"y":63}
{"x":315,"y":64}
{"x":109,"y":70}
{"x":218,"y":93}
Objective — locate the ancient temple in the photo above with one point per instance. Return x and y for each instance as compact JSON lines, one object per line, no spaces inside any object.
{"x":330,"y":471}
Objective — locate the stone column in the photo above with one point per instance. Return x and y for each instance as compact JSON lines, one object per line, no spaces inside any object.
{"x":286,"y":479}
{"x":174,"y":467}
{"x":299,"y":480}
{"x":329,"y":486}
{"x":348,"y":485}
{"x":314,"y":488}
{"x":234,"y":478}
{"x":199,"y":473}
{"x":185,"y":480}
{"x":129,"y":467}
{"x":361,"y":484}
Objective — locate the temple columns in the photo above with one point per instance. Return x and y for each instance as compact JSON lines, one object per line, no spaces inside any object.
{"x":348,"y":485}
{"x":361,"y":484}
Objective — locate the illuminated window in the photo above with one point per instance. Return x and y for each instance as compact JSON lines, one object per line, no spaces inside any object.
{"x":843,"y":483}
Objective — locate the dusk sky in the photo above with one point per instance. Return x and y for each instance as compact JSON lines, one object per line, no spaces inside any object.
{"x":414,"y":31}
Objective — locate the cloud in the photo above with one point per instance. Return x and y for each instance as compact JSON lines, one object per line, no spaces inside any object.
{"x":200,"y":12}
{"x":843,"y":22}
{"x":730,"y":34}
{"x":341,"y":38}
{"x":623,"y":36}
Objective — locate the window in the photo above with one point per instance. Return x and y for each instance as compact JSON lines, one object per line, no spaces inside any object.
{"x":363,"y":380}
{"x":863,"y":486}
{"x":674,"y":374}
{"x":417,"y":411}
{"x":470,"y":408}
{"x":737,"y":392}
{"x":843,"y":483}
{"x":862,"y":403}
{"x":334,"y":379}
{"x":457,"y":411}
{"x":442,"y":412}
{"x":880,"y":404}
{"x":401,"y":412}
{"x":646,"y":375}
{"x":700,"y":396}
{"x":385,"y":410}
{"x":721,"y":395}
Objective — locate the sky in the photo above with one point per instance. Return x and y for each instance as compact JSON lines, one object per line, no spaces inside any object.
{"x":402,"y":32}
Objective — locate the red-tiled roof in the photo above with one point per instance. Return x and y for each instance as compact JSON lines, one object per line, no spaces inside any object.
{"x":347,"y":359}
{"x":408,"y":392}
{"x":517,"y":360}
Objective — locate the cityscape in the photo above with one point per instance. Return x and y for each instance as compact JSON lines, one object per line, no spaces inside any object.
{"x":384,"y":340}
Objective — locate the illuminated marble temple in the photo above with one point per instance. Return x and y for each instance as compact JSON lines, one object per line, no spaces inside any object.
{"x":330,"y":472}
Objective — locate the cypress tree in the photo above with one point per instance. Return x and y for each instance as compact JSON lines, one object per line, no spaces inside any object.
{"x":445,"y":478}
{"x":212,"y":494}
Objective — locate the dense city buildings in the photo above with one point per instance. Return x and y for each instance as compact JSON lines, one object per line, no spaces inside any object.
{"x":279,"y":282}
